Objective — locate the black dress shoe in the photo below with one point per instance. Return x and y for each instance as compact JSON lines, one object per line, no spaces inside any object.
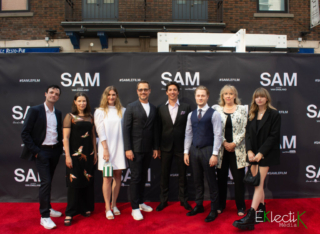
{"x":212,"y":216}
{"x":161,"y":206}
{"x":196,"y":210}
{"x":186,"y":205}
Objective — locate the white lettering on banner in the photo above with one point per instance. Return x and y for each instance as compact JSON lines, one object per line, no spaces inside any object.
{"x":20,"y":177}
{"x":266,"y":77}
{"x":19,"y":114}
{"x":289,"y":145}
{"x":195,"y":81}
{"x":67,"y":80}
{"x":312,"y":173}
{"x":313,"y":112}
{"x":127,"y":176}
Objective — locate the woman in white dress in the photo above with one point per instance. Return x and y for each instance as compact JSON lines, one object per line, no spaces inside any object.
{"x":108,"y":120}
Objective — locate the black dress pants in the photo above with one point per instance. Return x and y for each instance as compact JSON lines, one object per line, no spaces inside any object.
{"x":199,"y":161}
{"x":139,"y":171}
{"x":229,"y":160}
{"x":166,"y":162}
{"x":80,"y":200}
{"x":46,"y":163}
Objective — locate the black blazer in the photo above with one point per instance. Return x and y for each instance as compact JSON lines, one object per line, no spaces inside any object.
{"x":172,"y":135}
{"x":266,"y":139}
{"x":139,"y":131}
{"x":34,"y":131}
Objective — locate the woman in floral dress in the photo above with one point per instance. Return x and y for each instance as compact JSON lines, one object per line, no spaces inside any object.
{"x":80,"y":148}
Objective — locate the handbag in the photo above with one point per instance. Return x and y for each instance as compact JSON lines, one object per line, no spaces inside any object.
{"x":250,"y":179}
{"x":107,"y":169}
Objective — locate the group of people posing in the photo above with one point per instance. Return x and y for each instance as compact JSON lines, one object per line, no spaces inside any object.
{"x":207,"y":139}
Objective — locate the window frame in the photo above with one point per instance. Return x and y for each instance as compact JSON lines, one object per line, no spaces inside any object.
{"x":15,"y":11}
{"x":286,"y":8}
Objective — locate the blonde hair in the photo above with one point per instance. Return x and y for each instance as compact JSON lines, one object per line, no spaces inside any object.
{"x":259,"y":92}
{"x":104,"y":101}
{"x":201,"y":87}
{"x":234,"y":90}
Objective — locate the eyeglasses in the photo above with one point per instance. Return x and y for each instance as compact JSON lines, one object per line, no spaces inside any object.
{"x":141,"y":90}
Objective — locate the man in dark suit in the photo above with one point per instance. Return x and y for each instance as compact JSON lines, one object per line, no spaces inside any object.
{"x":140,"y":144}
{"x":203,"y":139}
{"x":42,"y":138}
{"x":172,"y":125}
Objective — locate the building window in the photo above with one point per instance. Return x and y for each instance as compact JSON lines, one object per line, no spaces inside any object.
{"x":280,"y":6}
{"x":14,"y":5}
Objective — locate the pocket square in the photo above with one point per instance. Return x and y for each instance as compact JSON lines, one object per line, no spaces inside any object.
{"x":182,"y":112}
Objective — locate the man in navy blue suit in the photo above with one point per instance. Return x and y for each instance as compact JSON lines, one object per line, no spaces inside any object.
{"x":202,"y":142}
{"x":42,"y":137}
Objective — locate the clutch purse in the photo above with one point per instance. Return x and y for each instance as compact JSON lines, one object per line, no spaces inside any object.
{"x":250,"y":179}
{"x":107,"y":169}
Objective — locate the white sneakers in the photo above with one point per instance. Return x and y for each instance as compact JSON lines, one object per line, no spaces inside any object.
{"x":136,"y":214}
{"x":55,"y":213}
{"x":47,"y":223}
{"x":145,"y":208}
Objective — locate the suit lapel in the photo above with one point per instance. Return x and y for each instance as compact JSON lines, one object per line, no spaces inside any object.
{"x":264,"y":119}
{"x":43,"y":113}
{"x":178,"y":114}
{"x":254,"y":124}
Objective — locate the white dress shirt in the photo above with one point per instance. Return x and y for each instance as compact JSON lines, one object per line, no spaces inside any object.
{"x":51,"y":131}
{"x":173,"y":110}
{"x":146,"y":107}
{"x":216,"y":123}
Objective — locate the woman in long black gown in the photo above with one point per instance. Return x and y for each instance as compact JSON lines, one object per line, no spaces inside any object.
{"x":80,"y":148}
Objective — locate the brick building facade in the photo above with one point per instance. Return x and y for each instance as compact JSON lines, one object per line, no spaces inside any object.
{"x":226,"y":16}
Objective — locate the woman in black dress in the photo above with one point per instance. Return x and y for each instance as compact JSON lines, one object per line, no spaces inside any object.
{"x":263,"y":148}
{"x":80,"y":148}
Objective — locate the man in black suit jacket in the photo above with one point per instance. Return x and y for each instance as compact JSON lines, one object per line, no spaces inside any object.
{"x":42,"y":138}
{"x":172,"y":125}
{"x":140,"y":144}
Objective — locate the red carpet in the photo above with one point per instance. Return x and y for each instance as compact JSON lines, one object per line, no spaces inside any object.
{"x":25,"y":218}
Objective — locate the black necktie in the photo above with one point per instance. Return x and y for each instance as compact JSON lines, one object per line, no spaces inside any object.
{"x":199,"y":115}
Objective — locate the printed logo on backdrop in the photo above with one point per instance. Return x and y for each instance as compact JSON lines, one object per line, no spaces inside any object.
{"x":283,"y":112}
{"x":229,"y":79}
{"x":19,"y":114}
{"x":313,"y":112}
{"x":126,"y":177}
{"x":279,"y":82}
{"x":80,"y":82}
{"x":29,"y":177}
{"x":289,"y":144}
{"x":312,"y":174}
{"x":29,"y":80}
{"x":130,"y":80}
{"x":187,"y":80}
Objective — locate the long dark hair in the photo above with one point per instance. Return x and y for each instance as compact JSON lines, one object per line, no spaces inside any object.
{"x":74,"y":110}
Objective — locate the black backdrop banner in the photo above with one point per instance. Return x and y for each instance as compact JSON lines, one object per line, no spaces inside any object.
{"x":292,"y":79}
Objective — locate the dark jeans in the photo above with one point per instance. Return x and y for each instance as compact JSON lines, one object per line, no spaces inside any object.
{"x":139,"y":171}
{"x":199,"y":160}
{"x":166,"y":162}
{"x":229,"y":160}
{"x":80,"y":200}
{"x":46,"y":163}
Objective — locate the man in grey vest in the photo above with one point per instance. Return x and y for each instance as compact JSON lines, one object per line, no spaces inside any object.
{"x":202,"y":142}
